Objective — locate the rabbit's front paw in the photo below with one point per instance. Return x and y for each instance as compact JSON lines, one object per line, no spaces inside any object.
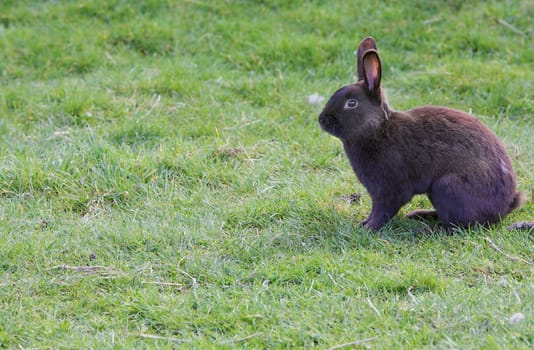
{"x":373,"y":225}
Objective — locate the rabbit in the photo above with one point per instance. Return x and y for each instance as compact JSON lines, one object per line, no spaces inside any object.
{"x":447,"y":154}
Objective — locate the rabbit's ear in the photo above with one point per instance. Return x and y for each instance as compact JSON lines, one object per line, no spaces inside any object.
{"x":366,"y":44}
{"x":372,"y":71}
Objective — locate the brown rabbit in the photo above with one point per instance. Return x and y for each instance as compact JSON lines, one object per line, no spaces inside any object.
{"x":448,"y":154}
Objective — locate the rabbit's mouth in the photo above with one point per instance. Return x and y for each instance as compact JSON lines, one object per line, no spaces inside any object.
{"x":330,"y":124}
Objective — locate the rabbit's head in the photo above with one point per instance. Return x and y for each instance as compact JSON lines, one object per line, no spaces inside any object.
{"x":359,"y":109}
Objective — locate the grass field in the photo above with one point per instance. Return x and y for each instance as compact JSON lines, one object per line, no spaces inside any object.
{"x":164,"y":181}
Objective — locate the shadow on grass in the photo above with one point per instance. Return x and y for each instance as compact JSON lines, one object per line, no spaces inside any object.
{"x":312,"y":228}
{"x":283,"y":227}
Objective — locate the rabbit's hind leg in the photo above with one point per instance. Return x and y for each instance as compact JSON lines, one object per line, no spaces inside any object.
{"x":456,"y":205}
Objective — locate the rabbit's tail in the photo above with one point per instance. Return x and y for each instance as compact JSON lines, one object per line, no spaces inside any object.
{"x":518,"y":201}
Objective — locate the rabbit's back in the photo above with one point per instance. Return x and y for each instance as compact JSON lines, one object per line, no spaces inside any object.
{"x":450,"y":140}
{"x":434,"y":142}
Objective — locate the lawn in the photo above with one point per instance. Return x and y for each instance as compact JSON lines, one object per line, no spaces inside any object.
{"x":164,"y":182}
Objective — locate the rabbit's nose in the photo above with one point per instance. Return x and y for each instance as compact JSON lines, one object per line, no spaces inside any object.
{"x":326,"y":120}
{"x":324,"y":117}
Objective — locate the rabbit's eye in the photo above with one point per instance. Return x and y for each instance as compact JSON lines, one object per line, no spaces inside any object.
{"x":352,"y":103}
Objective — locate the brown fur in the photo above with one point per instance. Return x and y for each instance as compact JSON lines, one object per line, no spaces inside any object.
{"x":448,"y":154}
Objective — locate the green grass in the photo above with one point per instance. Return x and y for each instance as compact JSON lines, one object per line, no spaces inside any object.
{"x":169,"y":148}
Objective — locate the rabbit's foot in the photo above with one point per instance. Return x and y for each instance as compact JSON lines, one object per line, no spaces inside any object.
{"x":422,"y":214}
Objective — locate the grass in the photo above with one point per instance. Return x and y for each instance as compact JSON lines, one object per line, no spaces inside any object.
{"x":164,"y":182}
